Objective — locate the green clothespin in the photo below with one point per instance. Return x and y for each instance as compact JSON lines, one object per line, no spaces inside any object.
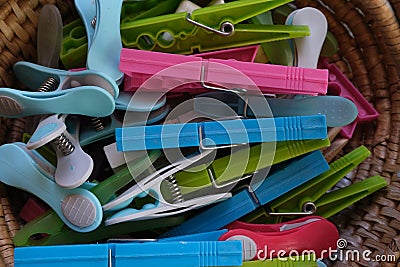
{"x":337,"y":200}
{"x":225,"y":170}
{"x":311,"y":198}
{"x":74,"y":46}
{"x":295,"y":261}
{"x":55,"y":233}
{"x":208,"y":28}
{"x":280,"y":52}
{"x":134,"y":10}
{"x":75,"y":43}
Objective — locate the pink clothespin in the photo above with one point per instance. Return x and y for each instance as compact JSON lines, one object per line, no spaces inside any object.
{"x":338,"y":84}
{"x":176,"y":71}
{"x":267,"y":241}
{"x":245,"y":53}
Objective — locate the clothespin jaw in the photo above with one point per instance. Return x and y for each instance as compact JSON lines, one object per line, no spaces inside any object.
{"x":305,"y":198}
{"x":216,"y":23}
{"x":162,"y":187}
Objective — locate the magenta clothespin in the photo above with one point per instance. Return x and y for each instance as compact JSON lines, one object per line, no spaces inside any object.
{"x":338,"y":84}
{"x":174,"y":71}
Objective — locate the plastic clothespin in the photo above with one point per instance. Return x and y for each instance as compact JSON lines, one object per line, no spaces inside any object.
{"x":58,"y":91}
{"x":51,"y":227}
{"x":263,"y":241}
{"x":161,"y":186}
{"x":339,"y":111}
{"x":105,"y":127}
{"x":104,"y":192}
{"x":75,"y":42}
{"x":307,"y":49}
{"x":74,"y":45}
{"x":311,"y":198}
{"x":246,"y":54}
{"x":294,"y":174}
{"x":163,"y":72}
{"x":293,"y":261}
{"x":135,"y":10}
{"x":78,"y":208}
{"x":206,"y":29}
{"x":102,"y":23}
{"x":217,"y":134}
{"x":339,"y":84}
{"x":201,"y":253}
{"x":224,"y":171}
{"x":32,"y":209}
{"x":74,"y":166}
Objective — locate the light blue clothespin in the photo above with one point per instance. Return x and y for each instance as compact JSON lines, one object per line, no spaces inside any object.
{"x":78,"y":208}
{"x":102,"y":22}
{"x":58,"y":91}
{"x":217,"y":134}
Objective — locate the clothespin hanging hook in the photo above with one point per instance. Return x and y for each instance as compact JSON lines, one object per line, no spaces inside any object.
{"x":203,"y":83}
{"x":227,"y":28}
{"x":309,"y":208}
{"x":203,"y":147}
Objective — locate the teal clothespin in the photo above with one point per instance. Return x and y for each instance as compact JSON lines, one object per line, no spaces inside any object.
{"x":312,"y":197}
{"x":208,"y":28}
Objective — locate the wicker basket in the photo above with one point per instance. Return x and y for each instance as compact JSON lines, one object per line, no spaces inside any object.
{"x":368,"y":34}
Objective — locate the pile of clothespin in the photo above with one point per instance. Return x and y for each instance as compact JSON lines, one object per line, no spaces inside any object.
{"x":182,"y":134}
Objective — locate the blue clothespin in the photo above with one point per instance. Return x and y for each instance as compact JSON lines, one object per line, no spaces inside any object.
{"x":217,"y":134}
{"x":294,"y":174}
{"x":179,"y":254}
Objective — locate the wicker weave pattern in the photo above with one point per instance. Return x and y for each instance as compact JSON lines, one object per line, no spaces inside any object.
{"x":18,"y":20}
{"x":368,"y":34}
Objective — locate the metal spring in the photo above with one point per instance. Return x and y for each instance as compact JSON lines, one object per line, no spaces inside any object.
{"x":63,"y":144}
{"x":49,"y":85}
{"x":93,"y":22}
{"x":174,"y":190}
{"x":97,"y":124}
